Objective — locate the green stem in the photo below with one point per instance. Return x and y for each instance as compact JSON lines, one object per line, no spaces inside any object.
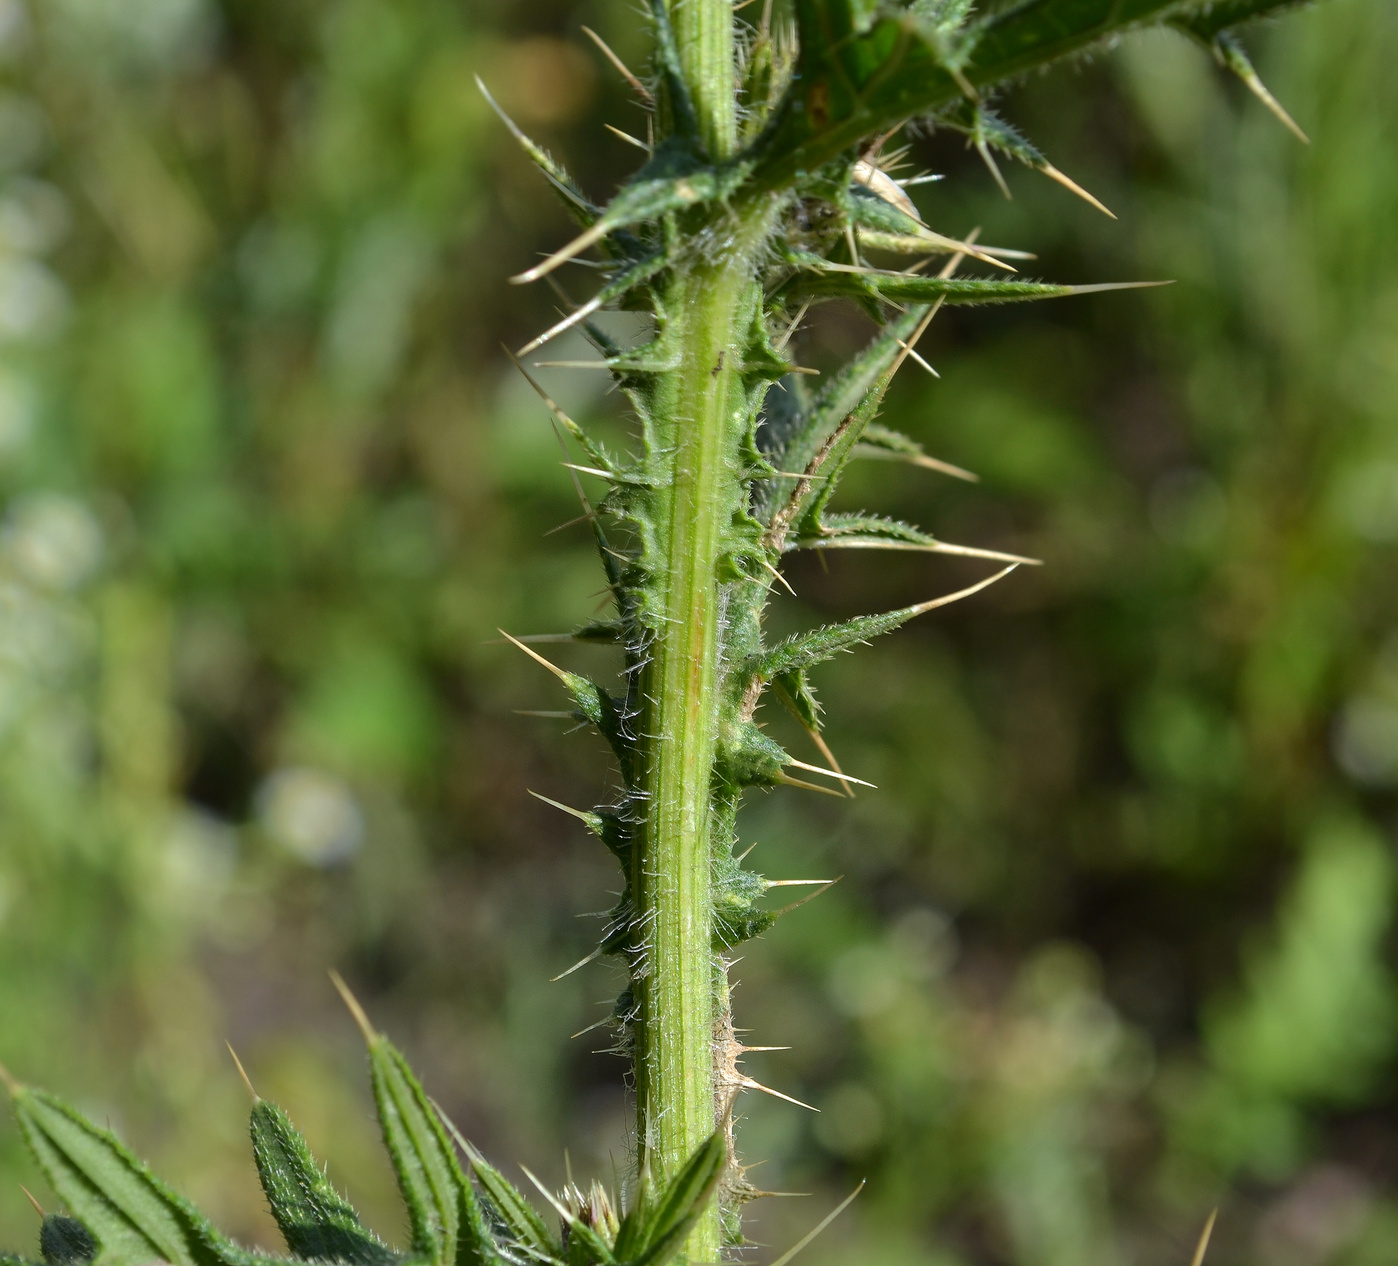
{"x":699,"y":413}
{"x":704,"y":36}
{"x":675,"y":1060}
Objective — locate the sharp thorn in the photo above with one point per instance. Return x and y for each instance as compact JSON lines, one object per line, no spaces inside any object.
{"x":1101,"y":287}
{"x":350,"y":1001}
{"x":636,"y":85}
{"x":628,"y":138}
{"x":563,"y":1213}
{"x":787,"y":883}
{"x":29,"y":1195}
{"x":781,"y":580}
{"x":749,"y":1084}
{"x":576,"y":247}
{"x":912,"y":342}
{"x":945,"y":468}
{"x":796,"y":905}
{"x":992,"y":555}
{"x":765,"y":1048}
{"x":582,"y":518}
{"x":917,"y":356}
{"x":830,"y":773}
{"x":582,"y":962}
{"x":534,"y":655}
{"x":876,"y":453}
{"x":573,"y":364}
{"x":580,"y":814}
{"x":1233,"y":56}
{"x":592,"y":1028}
{"x":791,"y":329}
{"x":543,"y":395}
{"x":989,"y":159}
{"x":1072,"y":186}
{"x":242,"y":1072}
{"x":532,"y":637}
{"x":1204,"y":1236}
{"x":924,"y":607}
{"x":787,"y":781}
{"x":572,"y":319}
{"x":819,"y":740}
{"x":820,"y":1226}
{"x":1263,"y":94}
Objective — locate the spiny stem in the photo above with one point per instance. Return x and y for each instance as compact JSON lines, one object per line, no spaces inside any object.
{"x":675,"y":1033}
{"x":704,"y":36}
{"x":677,"y":990}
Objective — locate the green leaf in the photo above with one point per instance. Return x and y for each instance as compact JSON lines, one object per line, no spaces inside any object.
{"x":132,"y":1215}
{"x":896,"y":287}
{"x":889,"y":445}
{"x":798,"y":440}
{"x":674,"y":179}
{"x":861,"y":75}
{"x":315,"y":1220}
{"x":522,"y":1219}
{"x":448,"y":1228}
{"x":803,"y":651}
{"x":557,"y":175}
{"x":658,"y":1233}
{"x":429,"y":1177}
{"x":795,"y":692}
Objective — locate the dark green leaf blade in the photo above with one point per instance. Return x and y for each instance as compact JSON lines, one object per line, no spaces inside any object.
{"x":860,"y":77}
{"x":132,"y":1215}
{"x":661,"y":1230}
{"x":445,"y":1216}
{"x":315,"y":1220}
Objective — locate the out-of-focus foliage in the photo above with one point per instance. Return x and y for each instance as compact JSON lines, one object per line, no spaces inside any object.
{"x":1113,"y":940}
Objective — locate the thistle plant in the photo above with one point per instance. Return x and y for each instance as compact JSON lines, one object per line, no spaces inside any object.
{"x":763,"y":194}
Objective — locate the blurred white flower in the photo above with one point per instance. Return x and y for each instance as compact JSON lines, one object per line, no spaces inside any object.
{"x":1366,"y":740}
{"x":33,"y":302}
{"x":52,"y":540}
{"x":313,"y":815}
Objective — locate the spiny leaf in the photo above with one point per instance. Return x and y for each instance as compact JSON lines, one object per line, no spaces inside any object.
{"x":654,"y":1232}
{"x":805,"y":650}
{"x":869,"y":531}
{"x":895,"y":287}
{"x":315,"y":1220}
{"x":794,"y":445}
{"x":673,"y":180}
{"x":445,"y":1216}
{"x":1232,"y":56}
{"x":576,"y":201}
{"x":862,"y":74}
{"x":522,"y":1219}
{"x":132,"y":1215}
{"x":880,"y":441}
{"x":594,"y":704}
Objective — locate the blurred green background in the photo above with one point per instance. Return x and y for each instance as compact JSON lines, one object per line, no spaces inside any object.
{"x":1114,"y":943}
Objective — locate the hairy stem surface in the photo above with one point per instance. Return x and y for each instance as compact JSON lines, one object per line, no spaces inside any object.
{"x":675,"y":1062}
{"x":700,"y":412}
{"x":704,"y":36}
